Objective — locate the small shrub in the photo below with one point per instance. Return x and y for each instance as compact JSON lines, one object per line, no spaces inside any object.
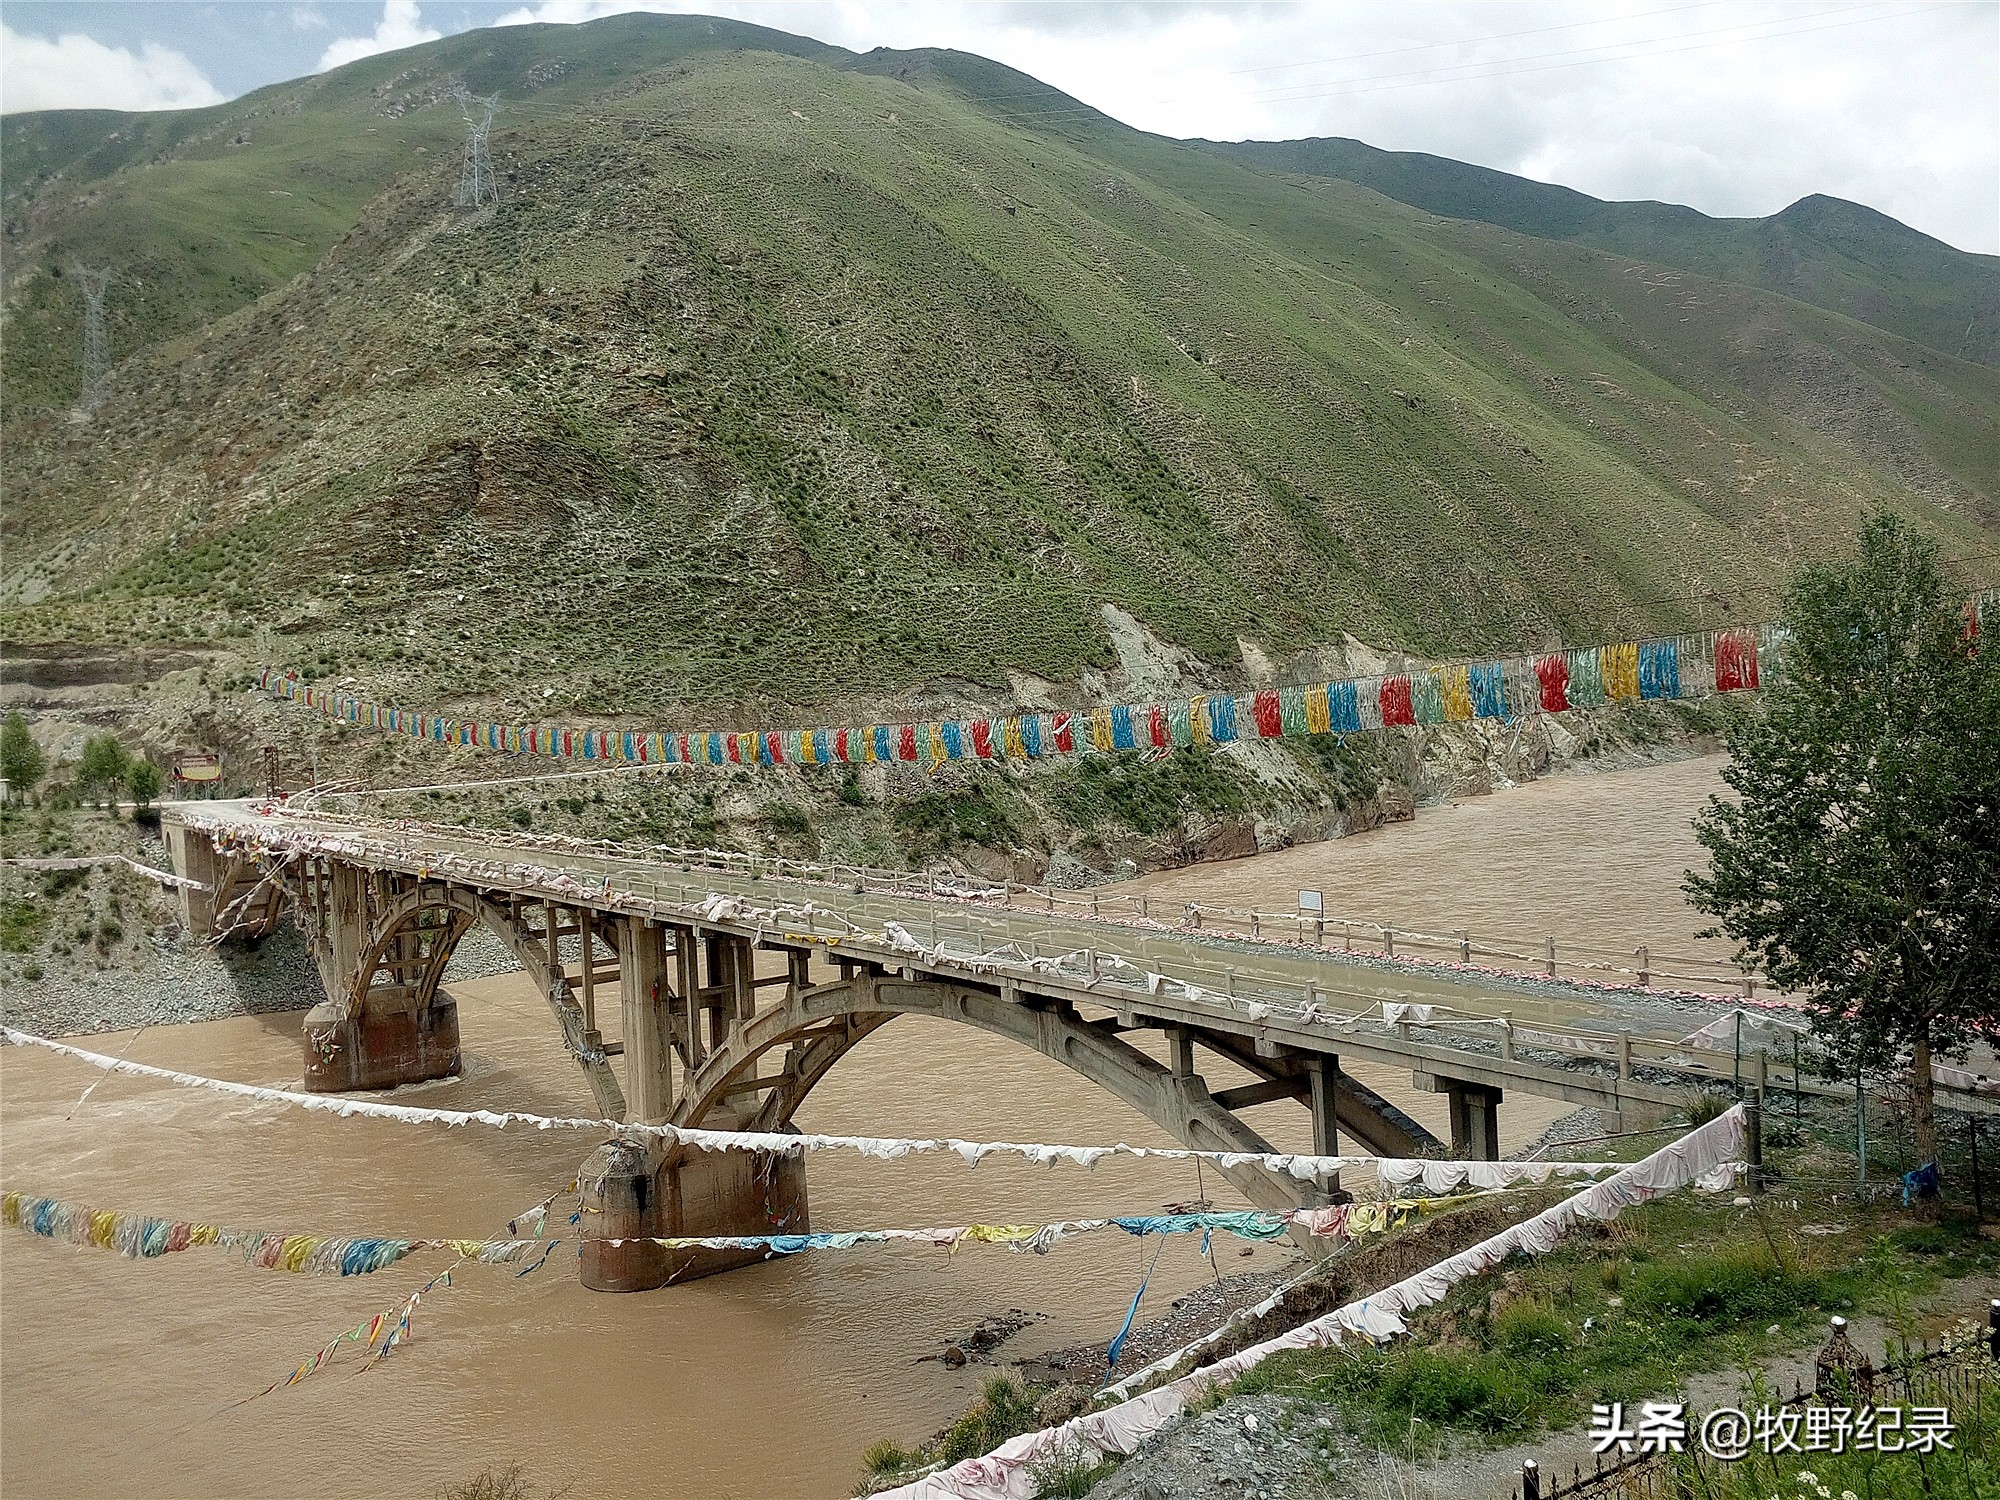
{"x":507,"y":1483}
{"x":1068,"y":1472}
{"x":884,"y":1459}
{"x":1704,"y":1105}
{"x":1005,"y":1409}
{"x":943,"y":820}
{"x":1531,"y":1329}
{"x":788,"y":822}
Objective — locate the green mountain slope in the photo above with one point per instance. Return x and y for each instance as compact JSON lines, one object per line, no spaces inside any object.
{"x":201,"y":211}
{"x":781,"y":377}
{"x":1826,"y":251}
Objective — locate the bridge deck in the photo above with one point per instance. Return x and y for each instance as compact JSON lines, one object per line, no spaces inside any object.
{"x":1276,"y":997}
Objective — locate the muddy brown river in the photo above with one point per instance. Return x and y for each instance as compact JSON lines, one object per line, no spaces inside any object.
{"x":123,"y":1377}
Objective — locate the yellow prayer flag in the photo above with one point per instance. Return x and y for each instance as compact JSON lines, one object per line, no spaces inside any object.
{"x":1621,"y":670}
{"x":1457,"y":693}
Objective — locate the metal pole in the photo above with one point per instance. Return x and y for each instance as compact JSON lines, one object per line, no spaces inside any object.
{"x":1860,"y":1126}
{"x":1736,"y":1074}
{"x":1978,"y":1195}
{"x":1531,"y":1480}
{"x":1798,"y":1094}
{"x":1753,"y":1134}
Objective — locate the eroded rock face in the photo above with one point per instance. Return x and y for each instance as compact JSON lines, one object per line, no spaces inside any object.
{"x":1227,"y":841}
{"x":1392,"y":803}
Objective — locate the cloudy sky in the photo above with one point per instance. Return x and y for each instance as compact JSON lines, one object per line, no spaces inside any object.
{"x":1733,"y":106}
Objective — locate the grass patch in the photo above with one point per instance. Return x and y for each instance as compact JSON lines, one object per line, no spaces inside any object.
{"x":1006,"y":1408}
{"x":1146,"y":796}
{"x":1969,"y":1471}
{"x":23,"y":925}
{"x":1673,"y":1288}
{"x":935,"y":821}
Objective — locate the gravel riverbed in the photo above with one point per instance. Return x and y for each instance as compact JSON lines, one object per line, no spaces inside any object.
{"x":180,"y":979}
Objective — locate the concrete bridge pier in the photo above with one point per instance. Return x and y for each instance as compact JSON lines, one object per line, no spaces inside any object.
{"x":1475,"y":1121}
{"x":382,"y":1045}
{"x":645,"y":1191}
{"x":382,"y":954}
{"x":639,"y":1189}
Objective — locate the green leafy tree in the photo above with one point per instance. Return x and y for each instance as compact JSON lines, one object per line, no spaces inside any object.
{"x":1860,"y":860}
{"x":142,"y":780}
{"x":22,"y":762}
{"x":101,"y":770}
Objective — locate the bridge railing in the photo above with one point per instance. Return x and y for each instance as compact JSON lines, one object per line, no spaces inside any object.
{"x":958,"y":936}
{"x":1544,"y":955}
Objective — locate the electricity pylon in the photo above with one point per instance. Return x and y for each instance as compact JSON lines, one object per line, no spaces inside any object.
{"x":477,"y":185}
{"x":96,"y":359}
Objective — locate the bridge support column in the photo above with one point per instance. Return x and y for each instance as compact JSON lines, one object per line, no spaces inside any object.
{"x":389,"y":1041}
{"x":643,"y":1190}
{"x":643,"y":1193}
{"x":1323,"y":1076}
{"x":646,"y":1006}
{"x":1475,"y":1121}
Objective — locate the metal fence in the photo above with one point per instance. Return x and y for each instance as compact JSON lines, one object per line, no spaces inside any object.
{"x":1940,"y":1373}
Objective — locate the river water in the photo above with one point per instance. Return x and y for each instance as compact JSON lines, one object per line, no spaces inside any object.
{"x":123,"y":1377}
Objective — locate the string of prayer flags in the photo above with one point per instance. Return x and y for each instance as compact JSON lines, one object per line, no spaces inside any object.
{"x":1396,"y":1170}
{"x":1735,"y":660}
{"x":1341,"y":1221}
{"x":140,"y":1236}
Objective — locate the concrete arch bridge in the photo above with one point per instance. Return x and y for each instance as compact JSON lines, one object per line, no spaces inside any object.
{"x":736,"y":993}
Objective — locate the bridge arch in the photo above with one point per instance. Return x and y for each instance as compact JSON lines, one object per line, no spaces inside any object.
{"x":821,"y":1025}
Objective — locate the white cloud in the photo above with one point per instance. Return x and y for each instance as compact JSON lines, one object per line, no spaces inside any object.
{"x":402,"y":25}
{"x":78,"y":72}
{"x":1736,"y":107}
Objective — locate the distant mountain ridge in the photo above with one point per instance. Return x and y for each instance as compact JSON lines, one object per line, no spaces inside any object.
{"x":1842,"y":256}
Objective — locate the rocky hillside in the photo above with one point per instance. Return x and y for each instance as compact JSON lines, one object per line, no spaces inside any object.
{"x":784,"y":379}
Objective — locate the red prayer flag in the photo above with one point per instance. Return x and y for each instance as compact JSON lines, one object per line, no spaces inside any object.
{"x":1156,"y":726}
{"x":982,"y":738}
{"x":840,"y":744}
{"x":1396,"y":705}
{"x":906,"y":742}
{"x":1268,"y":713}
{"x":1735,"y":661}
{"x":1554,"y":672}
